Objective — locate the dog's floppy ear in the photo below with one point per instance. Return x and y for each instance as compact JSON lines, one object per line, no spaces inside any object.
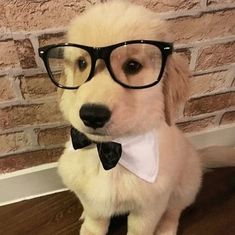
{"x":175,"y":86}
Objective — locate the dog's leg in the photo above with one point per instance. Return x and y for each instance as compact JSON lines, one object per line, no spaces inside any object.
{"x":145,"y":221}
{"x":183,"y":195}
{"x":139,"y":224}
{"x":169,"y":223}
{"x":94,"y":226}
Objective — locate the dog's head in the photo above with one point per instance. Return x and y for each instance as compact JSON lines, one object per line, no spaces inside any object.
{"x":101,"y":107}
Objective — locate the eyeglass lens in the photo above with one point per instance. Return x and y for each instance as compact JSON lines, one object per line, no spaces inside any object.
{"x":136,"y":64}
{"x":69,"y":66}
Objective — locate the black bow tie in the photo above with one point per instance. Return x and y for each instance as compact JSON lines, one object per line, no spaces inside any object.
{"x":109,"y":152}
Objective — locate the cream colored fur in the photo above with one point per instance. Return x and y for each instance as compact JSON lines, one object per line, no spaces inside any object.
{"x":154,"y":207}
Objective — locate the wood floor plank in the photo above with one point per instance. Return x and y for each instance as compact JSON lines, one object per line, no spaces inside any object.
{"x":213,"y":213}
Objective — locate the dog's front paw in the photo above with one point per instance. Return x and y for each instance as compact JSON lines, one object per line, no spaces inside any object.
{"x":85,"y":231}
{"x":93,"y":226}
{"x":166,"y":232}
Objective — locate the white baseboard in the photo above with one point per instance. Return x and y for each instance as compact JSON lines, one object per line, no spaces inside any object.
{"x":30,"y":183}
{"x":43,"y":180}
{"x":220,"y":136}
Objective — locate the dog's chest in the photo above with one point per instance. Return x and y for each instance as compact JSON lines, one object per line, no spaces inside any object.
{"x":109,"y":192}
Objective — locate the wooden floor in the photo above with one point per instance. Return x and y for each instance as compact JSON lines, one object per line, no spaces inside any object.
{"x":213,"y":213}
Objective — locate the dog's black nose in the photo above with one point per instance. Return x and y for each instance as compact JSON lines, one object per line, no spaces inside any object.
{"x":94,"y":115}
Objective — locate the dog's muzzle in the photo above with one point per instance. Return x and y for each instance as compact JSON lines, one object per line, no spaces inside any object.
{"x":94,"y":115}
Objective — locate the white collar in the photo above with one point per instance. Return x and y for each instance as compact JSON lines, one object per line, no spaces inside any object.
{"x":140,"y":155}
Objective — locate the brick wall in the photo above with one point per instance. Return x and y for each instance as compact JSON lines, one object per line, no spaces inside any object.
{"x":32,"y":130}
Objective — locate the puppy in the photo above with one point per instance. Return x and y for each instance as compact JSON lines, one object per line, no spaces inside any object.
{"x":119,"y":111}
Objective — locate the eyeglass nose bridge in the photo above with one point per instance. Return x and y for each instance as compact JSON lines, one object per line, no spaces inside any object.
{"x":99,"y":53}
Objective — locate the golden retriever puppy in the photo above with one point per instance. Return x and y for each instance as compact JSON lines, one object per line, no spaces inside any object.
{"x":123,"y":83}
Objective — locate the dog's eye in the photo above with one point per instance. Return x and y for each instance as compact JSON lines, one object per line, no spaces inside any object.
{"x":81,"y":63}
{"x":131,"y":67}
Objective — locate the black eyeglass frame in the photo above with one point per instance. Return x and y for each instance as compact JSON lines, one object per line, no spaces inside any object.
{"x":104,"y":53}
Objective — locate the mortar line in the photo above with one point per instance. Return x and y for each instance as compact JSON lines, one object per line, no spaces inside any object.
{"x":213,"y":93}
{"x":193,"y":60}
{"x":205,"y":115}
{"x":28,"y":102}
{"x":16,"y":87}
{"x":219,"y":118}
{"x":203,"y":4}
{"x":35,"y":44}
{"x":33,"y":149}
{"x":206,"y":42}
{"x":213,"y":70}
{"x":42,"y":126}
{"x":170,"y":15}
{"x":33,"y":137}
{"x":185,"y":119}
{"x":37,"y":33}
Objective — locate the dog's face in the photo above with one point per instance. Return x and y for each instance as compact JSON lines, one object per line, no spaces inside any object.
{"x":103,"y":109}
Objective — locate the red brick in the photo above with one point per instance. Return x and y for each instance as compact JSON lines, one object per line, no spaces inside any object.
{"x":212,"y":82}
{"x":209,"y":104}
{"x":6,"y":91}
{"x":48,"y":39}
{"x":53,"y":136}
{"x":197,"y":125}
{"x":169,"y":5}
{"x":37,"y":86}
{"x":36,"y":15}
{"x":13,"y":141}
{"x":29,"y":159}
{"x":8,"y":55}
{"x":228,"y":117}
{"x":26,"y":53}
{"x":216,"y":55}
{"x":21,"y":115}
{"x":204,"y":27}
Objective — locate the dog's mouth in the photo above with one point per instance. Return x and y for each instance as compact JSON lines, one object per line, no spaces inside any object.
{"x":99,"y":134}
{"x":98,"y":137}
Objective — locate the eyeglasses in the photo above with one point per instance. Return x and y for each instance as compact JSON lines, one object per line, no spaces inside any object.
{"x":133,"y":64}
